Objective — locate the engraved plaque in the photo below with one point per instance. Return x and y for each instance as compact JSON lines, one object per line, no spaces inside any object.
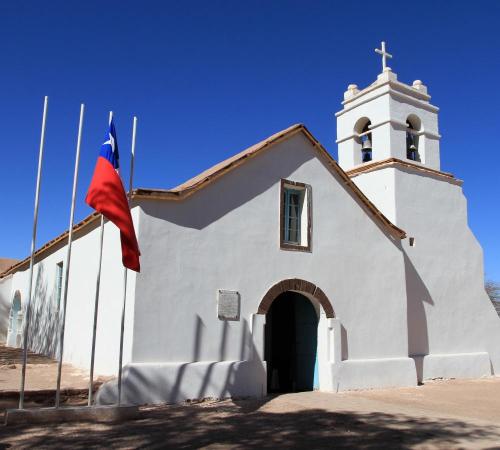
{"x":228,"y":305}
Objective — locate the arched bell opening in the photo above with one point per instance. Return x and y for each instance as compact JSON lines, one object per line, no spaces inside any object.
{"x":413,"y":125}
{"x":363,"y":135}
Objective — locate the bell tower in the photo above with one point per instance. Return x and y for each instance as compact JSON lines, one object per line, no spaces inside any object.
{"x":388,"y":142}
{"x":388,"y":119}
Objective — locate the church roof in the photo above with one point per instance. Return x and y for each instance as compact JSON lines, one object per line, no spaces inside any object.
{"x":47,"y":246}
{"x":186,"y":189}
{"x":391,"y":162}
{"x":203,"y":179}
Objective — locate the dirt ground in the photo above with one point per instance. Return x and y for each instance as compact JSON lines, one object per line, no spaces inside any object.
{"x":41,"y":379}
{"x":441,"y":414}
{"x":41,"y":372}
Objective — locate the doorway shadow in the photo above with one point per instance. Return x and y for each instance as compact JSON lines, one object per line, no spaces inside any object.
{"x":291,"y":342}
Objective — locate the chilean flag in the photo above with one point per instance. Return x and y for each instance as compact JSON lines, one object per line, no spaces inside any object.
{"x":107,"y":196}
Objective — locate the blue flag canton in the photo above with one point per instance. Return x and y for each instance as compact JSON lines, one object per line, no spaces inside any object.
{"x":109,"y":149}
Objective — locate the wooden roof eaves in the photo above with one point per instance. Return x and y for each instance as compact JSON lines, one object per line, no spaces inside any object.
{"x":181,"y":192}
{"x":390,"y":162}
{"x":393,"y":229}
{"x":25,"y":262}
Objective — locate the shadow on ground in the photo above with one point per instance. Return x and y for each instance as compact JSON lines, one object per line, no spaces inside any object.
{"x":242,"y":424}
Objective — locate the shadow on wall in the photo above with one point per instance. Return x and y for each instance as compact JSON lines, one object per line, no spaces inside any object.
{"x":245,"y":425}
{"x":344,"y":342}
{"x":418,"y":335}
{"x":243,"y":372}
{"x":44,"y":320}
{"x":5,"y":305}
{"x":258,"y":175}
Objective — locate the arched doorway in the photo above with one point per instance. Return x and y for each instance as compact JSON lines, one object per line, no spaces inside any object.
{"x":311,"y":299}
{"x":291,"y":342}
{"x":14,"y":333}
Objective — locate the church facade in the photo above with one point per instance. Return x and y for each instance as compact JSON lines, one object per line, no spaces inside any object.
{"x":281,"y":270}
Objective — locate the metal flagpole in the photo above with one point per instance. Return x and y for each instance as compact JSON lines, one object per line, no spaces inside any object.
{"x":32,"y":255}
{"x":96,"y":308}
{"x":96,"y":303}
{"x":68,"y":256}
{"x":125,"y":270}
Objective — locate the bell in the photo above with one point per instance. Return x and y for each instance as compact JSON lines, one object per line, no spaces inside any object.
{"x":366,"y":150}
{"x":413,"y":152}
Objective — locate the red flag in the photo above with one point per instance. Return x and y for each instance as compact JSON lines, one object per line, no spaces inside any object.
{"x":107,"y":196}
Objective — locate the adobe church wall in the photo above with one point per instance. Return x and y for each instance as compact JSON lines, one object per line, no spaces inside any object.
{"x":46,"y":314}
{"x":448,"y":309}
{"x":226,"y":236}
{"x":5,"y":303}
{"x":379,"y":187}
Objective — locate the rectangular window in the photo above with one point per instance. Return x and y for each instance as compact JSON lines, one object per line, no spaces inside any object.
{"x":295,"y":212}
{"x":293,"y":207}
{"x":59,"y":280}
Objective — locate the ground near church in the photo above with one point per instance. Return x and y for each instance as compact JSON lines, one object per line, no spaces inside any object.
{"x":440,"y":414}
{"x":41,"y":380}
{"x":445,"y":414}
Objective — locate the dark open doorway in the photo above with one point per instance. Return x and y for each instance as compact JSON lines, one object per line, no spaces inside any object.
{"x":291,"y":344}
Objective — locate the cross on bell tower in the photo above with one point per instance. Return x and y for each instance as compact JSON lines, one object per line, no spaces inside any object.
{"x":385,"y":55}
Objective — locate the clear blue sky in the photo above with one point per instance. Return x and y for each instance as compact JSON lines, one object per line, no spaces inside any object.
{"x":209,"y":78}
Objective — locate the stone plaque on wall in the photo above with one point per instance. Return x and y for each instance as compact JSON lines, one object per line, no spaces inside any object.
{"x":228,"y":305}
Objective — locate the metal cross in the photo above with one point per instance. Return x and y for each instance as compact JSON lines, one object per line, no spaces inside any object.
{"x":384,"y":54}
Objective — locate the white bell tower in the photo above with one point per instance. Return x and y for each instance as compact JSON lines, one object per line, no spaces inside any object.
{"x":387,"y":119}
{"x":389,"y":146}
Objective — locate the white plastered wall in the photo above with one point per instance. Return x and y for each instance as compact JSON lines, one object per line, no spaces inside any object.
{"x":46,"y":318}
{"x":380,"y":187}
{"x":449,"y":311}
{"x":5,"y":305}
{"x":453,"y":330}
{"x":226,"y":236}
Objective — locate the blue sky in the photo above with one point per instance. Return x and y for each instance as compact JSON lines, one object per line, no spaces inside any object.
{"x":209,"y":78}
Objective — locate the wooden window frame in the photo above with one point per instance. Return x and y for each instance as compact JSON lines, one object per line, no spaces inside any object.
{"x":284,"y":245}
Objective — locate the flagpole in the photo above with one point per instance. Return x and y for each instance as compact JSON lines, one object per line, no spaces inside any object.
{"x":96,"y":303}
{"x":68,"y":256}
{"x":125,"y":270}
{"x":96,"y":309}
{"x":32,"y":254}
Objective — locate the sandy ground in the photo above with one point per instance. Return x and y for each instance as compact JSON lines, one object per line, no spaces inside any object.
{"x":41,"y":375}
{"x":41,"y":380}
{"x":41,"y":372}
{"x":441,"y":414}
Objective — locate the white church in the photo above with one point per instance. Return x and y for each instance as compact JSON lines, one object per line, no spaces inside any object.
{"x":281,"y":269}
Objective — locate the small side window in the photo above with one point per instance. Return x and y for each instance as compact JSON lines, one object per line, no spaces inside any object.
{"x":295,"y":213}
{"x":59,"y":280}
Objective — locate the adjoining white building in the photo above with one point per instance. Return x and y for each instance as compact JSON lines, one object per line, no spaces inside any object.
{"x":281,"y":270}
